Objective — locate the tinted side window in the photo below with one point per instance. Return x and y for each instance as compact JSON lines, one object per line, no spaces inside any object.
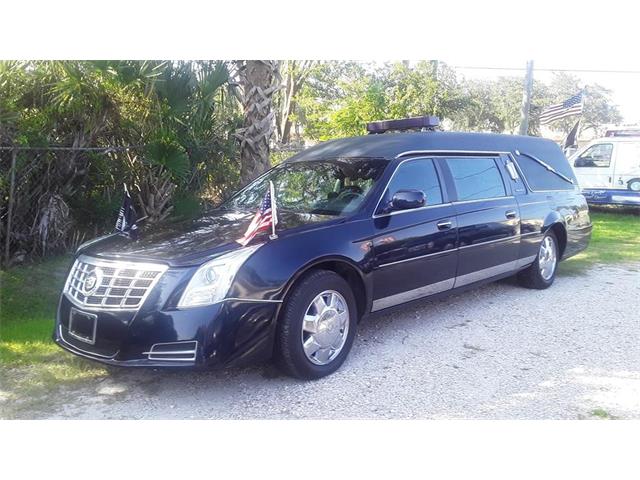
{"x":476,"y":178}
{"x":416,"y":175}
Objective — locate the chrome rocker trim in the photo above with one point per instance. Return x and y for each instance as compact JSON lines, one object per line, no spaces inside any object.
{"x":432,"y":289}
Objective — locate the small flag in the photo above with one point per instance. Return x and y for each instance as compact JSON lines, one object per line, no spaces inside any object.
{"x":127,"y":216}
{"x":572,"y":138}
{"x":571,"y":106}
{"x":265,"y":218}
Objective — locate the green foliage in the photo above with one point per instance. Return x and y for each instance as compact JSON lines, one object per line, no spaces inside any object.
{"x":341,"y":97}
{"x":177,"y":116}
{"x":167,"y":152}
{"x":187,"y":206}
{"x":494,"y":105}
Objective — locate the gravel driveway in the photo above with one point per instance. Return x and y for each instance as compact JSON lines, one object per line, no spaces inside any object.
{"x":499,"y":352}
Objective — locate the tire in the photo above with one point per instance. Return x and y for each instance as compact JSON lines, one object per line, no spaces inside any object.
{"x":541,"y":274}
{"x":634,"y":184}
{"x":330,"y":329}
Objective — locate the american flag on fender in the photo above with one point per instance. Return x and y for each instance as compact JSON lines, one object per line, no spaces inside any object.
{"x":265,"y":218}
{"x":571,"y":106}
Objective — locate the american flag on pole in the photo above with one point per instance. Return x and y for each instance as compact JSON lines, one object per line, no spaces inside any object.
{"x":265,"y":218}
{"x":571,"y":106}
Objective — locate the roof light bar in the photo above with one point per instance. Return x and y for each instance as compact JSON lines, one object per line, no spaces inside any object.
{"x":428,"y":122}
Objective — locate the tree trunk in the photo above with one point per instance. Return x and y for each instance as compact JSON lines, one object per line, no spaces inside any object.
{"x":295,"y":73}
{"x":258,"y":81}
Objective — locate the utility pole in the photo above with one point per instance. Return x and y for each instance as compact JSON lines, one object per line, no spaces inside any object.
{"x":526,"y":99}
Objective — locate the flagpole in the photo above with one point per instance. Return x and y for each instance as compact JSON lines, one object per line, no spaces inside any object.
{"x":274,"y":211}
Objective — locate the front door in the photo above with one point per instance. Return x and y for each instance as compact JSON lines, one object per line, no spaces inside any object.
{"x":415,"y":250}
{"x":594,"y":168}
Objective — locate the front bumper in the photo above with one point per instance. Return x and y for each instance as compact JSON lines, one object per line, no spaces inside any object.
{"x":233,"y":332}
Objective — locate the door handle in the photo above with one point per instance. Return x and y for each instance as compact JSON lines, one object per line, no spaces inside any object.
{"x":444,"y":225}
{"x":511,"y":214}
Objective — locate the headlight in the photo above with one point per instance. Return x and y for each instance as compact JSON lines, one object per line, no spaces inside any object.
{"x":212,"y":281}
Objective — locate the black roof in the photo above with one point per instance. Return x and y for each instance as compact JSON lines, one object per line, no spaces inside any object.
{"x":390,"y":145}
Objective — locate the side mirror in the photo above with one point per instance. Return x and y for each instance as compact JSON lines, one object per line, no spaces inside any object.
{"x":407,"y":199}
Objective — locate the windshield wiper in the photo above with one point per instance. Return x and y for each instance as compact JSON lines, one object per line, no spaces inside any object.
{"x":545,"y":165}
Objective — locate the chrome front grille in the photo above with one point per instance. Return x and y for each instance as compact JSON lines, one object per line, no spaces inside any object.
{"x":111,"y":285}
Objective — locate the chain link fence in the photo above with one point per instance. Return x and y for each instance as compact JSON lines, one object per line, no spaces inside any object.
{"x":35,"y":217}
{"x":54,"y":198}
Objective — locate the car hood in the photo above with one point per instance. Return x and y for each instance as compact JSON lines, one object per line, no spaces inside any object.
{"x":190,"y":242}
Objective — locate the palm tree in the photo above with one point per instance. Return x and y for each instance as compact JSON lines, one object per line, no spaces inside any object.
{"x":258,"y":81}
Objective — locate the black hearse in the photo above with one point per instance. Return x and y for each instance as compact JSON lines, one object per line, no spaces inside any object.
{"x":365,"y":224}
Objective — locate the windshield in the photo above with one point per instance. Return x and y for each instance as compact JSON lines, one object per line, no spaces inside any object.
{"x":332,"y":187}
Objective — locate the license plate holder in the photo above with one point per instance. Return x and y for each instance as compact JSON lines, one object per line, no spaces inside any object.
{"x":82,"y":326}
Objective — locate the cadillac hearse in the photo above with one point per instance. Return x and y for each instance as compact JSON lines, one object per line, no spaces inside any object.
{"x":365,"y":224}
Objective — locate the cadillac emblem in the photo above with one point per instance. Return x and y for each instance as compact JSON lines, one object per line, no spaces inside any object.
{"x":92,"y":281}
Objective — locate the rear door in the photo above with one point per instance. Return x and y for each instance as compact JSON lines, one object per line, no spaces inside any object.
{"x":488,"y":217}
{"x":415,"y":250}
{"x":594,"y":166}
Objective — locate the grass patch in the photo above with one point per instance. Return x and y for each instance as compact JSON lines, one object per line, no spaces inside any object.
{"x":32,"y":367}
{"x":615,"y":239}
{"x":602,"y":413}
{"x":27,"y":310}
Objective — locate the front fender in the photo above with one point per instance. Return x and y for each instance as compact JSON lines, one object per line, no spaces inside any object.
{"x":269,"y":273}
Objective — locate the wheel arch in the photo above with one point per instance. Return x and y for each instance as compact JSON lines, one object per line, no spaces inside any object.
{"x":344,"y":267}
{"x":630,"y":181}
{"x":555,"y":223}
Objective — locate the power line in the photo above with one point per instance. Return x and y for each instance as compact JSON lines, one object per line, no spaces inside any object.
{"x":72,"y":149}
{"x":575,"y":70}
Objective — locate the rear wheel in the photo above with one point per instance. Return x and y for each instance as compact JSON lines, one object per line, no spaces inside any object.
{"x":634,"y":184}
{"x":542,"y":272}
{"x":317,"y":326}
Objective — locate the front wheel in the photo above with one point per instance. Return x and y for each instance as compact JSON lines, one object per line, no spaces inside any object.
{"x":542,"y":272}
{"x":317,"y":326}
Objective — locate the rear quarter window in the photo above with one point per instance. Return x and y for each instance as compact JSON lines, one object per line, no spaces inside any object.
{"x":539,"y":178}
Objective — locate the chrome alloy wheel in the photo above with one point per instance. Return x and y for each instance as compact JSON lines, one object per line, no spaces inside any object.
{"x":325,"y":327}
{"x":547,"y":258}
